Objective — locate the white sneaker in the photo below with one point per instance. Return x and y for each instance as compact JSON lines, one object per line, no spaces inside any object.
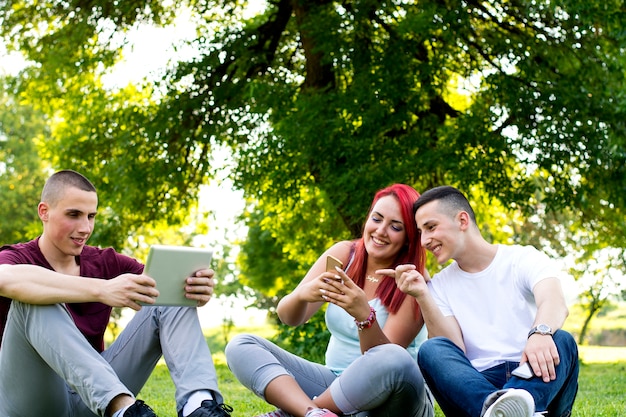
{"x":319,"y":412}
{"x":513,"y":403}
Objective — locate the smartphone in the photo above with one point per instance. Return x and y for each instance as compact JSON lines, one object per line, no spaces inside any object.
{"x":331,"y":263}
{"x":523,"y":371}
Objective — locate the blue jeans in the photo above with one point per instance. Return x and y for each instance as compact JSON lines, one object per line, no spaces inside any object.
{"x":461,"y":390}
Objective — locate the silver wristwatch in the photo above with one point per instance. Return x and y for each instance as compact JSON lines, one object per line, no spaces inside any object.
{"x":543,"y":329}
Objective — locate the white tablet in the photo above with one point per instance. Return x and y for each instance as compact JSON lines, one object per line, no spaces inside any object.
{"x":170,"y":266}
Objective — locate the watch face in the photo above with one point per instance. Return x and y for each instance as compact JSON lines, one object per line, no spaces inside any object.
{"x":542,"y":328}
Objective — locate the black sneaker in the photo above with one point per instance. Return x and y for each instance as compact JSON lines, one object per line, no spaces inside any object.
{"x":139,"y":409}
{"x":210,"y":408}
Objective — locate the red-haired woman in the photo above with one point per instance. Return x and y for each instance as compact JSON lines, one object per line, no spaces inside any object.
{"x":371,"y":356}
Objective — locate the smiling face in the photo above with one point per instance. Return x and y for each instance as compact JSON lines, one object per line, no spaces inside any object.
{"x":68,"y":222}
{"x":384,"y":233}
{"x":439,"y":231}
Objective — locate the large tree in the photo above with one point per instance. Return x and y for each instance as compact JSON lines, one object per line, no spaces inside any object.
{"x":337,"y":99}
{"x":21,"y":169}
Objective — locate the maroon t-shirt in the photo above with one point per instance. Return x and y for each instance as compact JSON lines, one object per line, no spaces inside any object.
{"x":90,"y":318}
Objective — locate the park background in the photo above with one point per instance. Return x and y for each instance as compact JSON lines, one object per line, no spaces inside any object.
{"x":262,"y":130}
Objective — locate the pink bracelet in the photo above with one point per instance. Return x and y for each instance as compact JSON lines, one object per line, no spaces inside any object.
{"x":367,"y":323}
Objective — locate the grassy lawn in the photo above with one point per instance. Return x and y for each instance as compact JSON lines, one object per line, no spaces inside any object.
{"x":601,"y":393}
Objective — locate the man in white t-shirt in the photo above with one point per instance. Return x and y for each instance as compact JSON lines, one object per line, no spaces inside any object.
{"x":495,"y":307}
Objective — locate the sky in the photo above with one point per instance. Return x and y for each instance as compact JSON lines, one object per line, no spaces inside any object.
{"x":10,"y":63}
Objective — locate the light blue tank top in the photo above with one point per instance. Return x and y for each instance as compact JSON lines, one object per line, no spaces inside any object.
{"x":343,"y":346}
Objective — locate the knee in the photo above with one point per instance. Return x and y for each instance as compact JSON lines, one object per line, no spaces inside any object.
{"x":401,"y":359}
{"x":563,"y":338}
{"x":429,"y":351}
{"x":33,"y":311}
{"x":566,"y":345}
{"x":174,"y":314}
{"x":390,"y":350}
{"x":240,"y":345}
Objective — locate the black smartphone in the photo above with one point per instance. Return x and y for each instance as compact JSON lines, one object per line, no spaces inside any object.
{"x":523,"y":371}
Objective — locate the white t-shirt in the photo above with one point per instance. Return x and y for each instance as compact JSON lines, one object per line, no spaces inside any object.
{"x":495,"y":307}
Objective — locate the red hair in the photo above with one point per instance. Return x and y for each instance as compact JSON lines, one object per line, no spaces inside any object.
{"x":411,"y":253}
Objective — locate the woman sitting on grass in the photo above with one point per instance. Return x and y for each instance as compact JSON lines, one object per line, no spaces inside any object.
{"x":371,"y":356}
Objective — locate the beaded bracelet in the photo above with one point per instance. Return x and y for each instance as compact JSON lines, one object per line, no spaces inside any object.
{"x":367,"y":323}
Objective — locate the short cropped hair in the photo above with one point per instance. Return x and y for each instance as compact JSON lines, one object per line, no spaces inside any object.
{"x":452,"y":201}
{"x":59,"y":181}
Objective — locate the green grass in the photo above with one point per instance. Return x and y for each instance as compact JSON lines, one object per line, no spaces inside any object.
{"x":601,"y":392}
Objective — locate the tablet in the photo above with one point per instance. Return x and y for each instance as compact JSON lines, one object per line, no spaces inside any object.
{"x":170,"y":266}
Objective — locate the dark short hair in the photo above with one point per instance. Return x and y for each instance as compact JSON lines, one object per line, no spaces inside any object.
{"x":452,"y":201}
{"x":60,"y":180}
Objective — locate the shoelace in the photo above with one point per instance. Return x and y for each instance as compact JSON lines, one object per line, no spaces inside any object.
{"x":226,"y":408}
{"x":221,"y":410}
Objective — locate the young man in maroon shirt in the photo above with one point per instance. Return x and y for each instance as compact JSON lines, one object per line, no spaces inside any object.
{"x":56,"y":297}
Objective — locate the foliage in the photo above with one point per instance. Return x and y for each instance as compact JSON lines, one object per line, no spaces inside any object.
{"x":285,"y":239}
{"x":600,"y":279}
{"x":21,"y":168}
{"x":308,"y":341}
{"x":373,"y":84}
{"x":522,"y":101}
{"x":608,"y":327}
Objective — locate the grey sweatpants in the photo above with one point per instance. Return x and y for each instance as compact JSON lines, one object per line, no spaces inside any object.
{"x":47,"y":367}
{"x":385,"y":381}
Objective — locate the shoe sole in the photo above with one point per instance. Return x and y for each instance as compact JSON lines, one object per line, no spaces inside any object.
{"x":515,"y":403}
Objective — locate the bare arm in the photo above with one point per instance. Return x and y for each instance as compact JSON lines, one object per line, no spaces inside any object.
{"x":411,"y":282}
{"x":400,"y":327}
{"x":37,"y":285}
{"x":298,"y":306}
{"x":551,"y":306}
